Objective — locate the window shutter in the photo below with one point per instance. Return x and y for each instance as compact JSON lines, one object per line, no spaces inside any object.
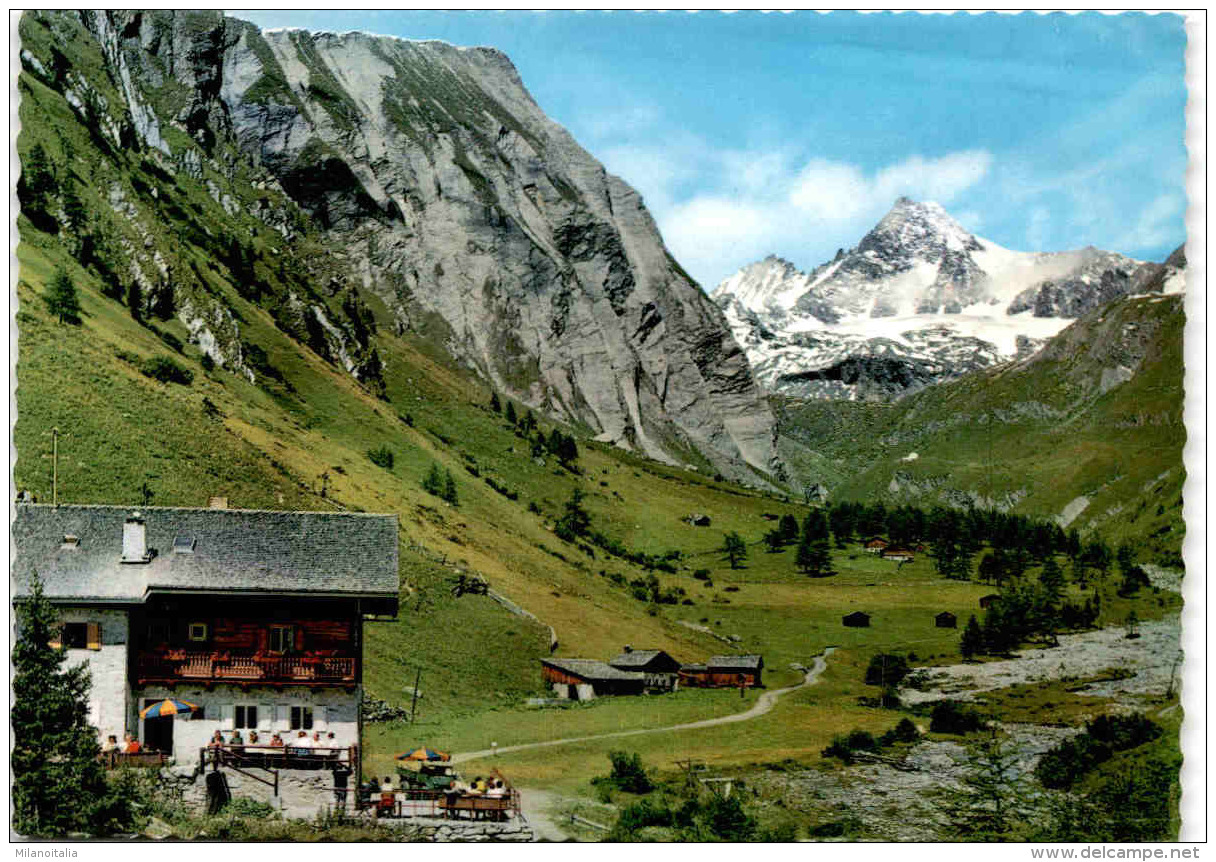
{"x":282,"y":717}
{"x":227,"y":716}
{"x":93,"y":636}
{"x":318,"y":718}
{"x":265,"y":716}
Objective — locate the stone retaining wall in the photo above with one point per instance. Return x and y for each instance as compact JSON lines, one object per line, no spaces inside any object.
{"x":435,"y":829}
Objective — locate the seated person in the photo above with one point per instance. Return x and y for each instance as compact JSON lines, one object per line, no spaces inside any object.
{"x":477,"y":788}
{"x":302,"y":740}
{"x":497,"y":790}
{"x":387,"y":786}
{"x":276,"y":741}
{"x":317,"y":741}
{"x":132,"y":744}
{"x":236,"y":739}
{"x":253,"y":737}
{"x":111,"y":744}
{"x":217,"y":740}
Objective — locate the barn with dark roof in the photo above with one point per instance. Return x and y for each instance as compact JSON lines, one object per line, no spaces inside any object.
{"x":588,"y":678}
{"x":659,"y":667}
{"x":724,"y":671}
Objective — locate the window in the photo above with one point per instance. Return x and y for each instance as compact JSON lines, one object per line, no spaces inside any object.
{"x":75,"y":635}
{"x":158,"y":632}
{"x":70,"y":541}
{"x":246,"y":717}
{"x":183,"y":545}
{"x":198,"y":632}
{"x":282,"y":638}
{"x":301,"y":718}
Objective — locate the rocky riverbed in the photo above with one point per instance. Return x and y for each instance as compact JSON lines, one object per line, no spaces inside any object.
{"x":902,"y":801}
{"x":1148,"y":661}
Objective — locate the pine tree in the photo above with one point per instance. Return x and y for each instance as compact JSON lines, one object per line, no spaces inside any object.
{"x":734,"y":549}
{"x":788,"y":526}
{"x":135,"y":301}
{"x":449,"y":488}
{"x":575,"y":521}
{"x":61,"y":298}
{"x":814,"y":555}
{"x":1052,"y":579}
{"x":774,"y":540}
{"x":495,"y":404}
{"x":433,"y":483}
{"x":972,"y":641}
{"x":567,"y":452}
{"x":35,"y":187}
{"x":54,"y":750}
{"x":511,"y":417}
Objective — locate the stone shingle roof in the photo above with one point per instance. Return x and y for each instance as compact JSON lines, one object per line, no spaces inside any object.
{"x":593,"y":669}
{"x":636,"y":658}
{"x":235,"y":550}
{"x":735,"y":662}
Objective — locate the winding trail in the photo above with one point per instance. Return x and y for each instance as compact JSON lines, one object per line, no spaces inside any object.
{"x":763,"y":705}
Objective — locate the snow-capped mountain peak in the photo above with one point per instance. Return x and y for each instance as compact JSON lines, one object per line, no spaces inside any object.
{"x":921,"y":292}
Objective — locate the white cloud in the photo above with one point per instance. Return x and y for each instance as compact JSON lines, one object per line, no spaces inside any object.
{"x":1157,"y":223}
{"x":720,"y":210}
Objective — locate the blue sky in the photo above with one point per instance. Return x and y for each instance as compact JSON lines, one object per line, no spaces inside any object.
{"x":750,"y":133}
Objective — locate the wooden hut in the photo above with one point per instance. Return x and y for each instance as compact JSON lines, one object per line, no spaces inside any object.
{"x":876,"y":545}
{"x":660,"y":669}
{"x":988,"y":600}
{"x":724,"y":671}
{"x":898,"y":553}
{"x":857,"y":620}
{"x":946,"y":620}
{"x":586,"y":678}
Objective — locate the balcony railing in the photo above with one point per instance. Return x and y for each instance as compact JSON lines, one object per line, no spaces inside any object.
{"x":191,"y":666}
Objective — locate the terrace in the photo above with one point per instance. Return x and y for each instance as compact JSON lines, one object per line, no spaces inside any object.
{"x":173,"y":666}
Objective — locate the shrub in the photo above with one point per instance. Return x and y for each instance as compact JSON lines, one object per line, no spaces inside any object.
{"x":950,"y":716}
{"x":381,"y":456}
{"x":887,"y":669}
{"x":905,"y":731}
{"x":164,"y":369}
{"x":628,"y":773}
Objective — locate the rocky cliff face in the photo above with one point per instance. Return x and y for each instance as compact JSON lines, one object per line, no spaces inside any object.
{"x":428,"y":177}
{"x":918,"y":300}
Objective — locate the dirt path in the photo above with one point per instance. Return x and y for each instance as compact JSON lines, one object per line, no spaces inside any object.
{"x":538,"y":807}
{"x":763,"y":705}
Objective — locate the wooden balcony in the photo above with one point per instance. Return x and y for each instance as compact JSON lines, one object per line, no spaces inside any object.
{"x":182,"y":666}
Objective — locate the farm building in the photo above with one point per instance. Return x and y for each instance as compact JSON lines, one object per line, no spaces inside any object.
{"x":252,"y":619}
{"x":946,"y":620}
{"x":988,"y":600}
{"x":857,"y":620}
{"x":899,"y":553}
{"x":876,"y":545}
{"x":661,"y":670}
{"x":588,"y":678}
{"x":724,"y":671}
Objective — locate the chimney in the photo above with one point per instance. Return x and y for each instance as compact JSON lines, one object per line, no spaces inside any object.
{"x":134,"y":539}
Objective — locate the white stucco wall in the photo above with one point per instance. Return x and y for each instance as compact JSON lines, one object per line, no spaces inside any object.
{"x":334,"y":709}
{"x":110,"y":695}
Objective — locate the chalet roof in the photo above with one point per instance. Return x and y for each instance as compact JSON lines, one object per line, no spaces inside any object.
{"x":592,"y":669}
{"x":234,"y":550}
{"x":946,"y":614}
{"x":637,"y":658}
{"x":735,"y":662}
{"x":856,"y":615}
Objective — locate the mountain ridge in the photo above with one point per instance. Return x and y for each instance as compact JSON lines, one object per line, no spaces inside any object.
{"x":923,"y":295}
{"x":428,"y":178}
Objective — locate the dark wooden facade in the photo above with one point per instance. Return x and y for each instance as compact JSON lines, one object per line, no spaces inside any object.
{"x":724,"y":675}
{"x":625,"y":685}
{"x":857,"y":620}
{"x":280,"y":641}
{"x":946,"y":620}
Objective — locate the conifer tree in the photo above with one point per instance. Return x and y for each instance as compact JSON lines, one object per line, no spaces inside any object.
{"x":1052,"y":579}
{"x":511,"y":417}
{"x":59,"y":785}
{"x":433,"y":483}
{"x":972,"y":641}
{"x":61,"y":298}
{"x":814,"y":549}
{"x":449,"y":488}
{"x":495,"y":404}
{"x":734,"y":549}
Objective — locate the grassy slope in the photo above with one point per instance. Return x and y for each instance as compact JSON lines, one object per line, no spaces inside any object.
{"x":1122,"y":449}
{"x":272,"y":442}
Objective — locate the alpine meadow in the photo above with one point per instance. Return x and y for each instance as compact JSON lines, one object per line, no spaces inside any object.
{"x":360,"y":406}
